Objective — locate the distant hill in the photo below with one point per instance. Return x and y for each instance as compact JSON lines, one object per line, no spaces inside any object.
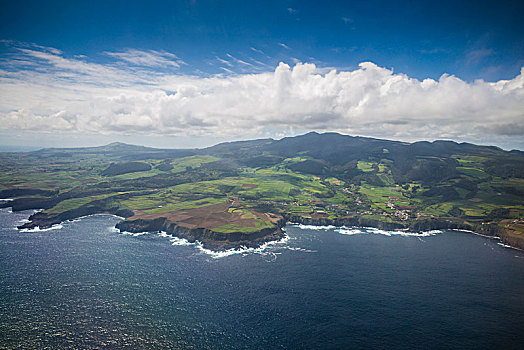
{"x":337,"y":154}
{"x":241,"y":193}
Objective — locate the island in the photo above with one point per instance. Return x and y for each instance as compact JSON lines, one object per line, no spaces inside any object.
{"x":241,"y":194}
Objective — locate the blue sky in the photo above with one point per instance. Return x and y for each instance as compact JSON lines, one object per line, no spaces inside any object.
{"x":172,"y":46}
{"x":469,"y":39}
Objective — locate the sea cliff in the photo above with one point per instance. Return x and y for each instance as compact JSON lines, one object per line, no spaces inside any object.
{"x":500,"y":231}
{"x":208,"y":238}
{"x":222,"y":241}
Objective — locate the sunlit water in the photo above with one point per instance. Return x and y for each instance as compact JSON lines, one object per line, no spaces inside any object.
{"x":83,"y":285}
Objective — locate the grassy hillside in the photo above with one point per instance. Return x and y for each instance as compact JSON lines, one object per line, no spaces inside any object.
{"x":249,"y":186}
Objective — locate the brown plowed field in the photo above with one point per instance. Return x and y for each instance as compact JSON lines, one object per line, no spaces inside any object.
{"x":249,"y":186}
{"x":210,"y":216}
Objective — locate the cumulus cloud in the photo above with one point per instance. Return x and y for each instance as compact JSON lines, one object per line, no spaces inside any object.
{"x":80,"y":96}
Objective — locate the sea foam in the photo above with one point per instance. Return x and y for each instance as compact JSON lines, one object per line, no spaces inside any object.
{"x":38,"y":229}
{"x":297,"y":249}
{"x":177,"y":241}
{"x":134,"y":234}
{"x":262,"y":250}
{"x":313,"y":227}
{"x":346,"y":231}
{"x":371,"y":230}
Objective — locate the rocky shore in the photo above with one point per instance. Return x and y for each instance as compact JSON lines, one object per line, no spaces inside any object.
{"x":44,"y":220}
{"x":506,"y":235}
{"x":222,"y":241}
{"x":209,"y":239}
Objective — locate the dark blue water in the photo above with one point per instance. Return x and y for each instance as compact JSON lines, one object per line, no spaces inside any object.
{"x":85,"y":286}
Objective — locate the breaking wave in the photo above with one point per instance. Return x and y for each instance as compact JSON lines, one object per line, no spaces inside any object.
{"x":90,"y":215}
{"x":262,"y":250}
{"x":313,"y":227}
{"x":38,"y":229}
{"x":177,"y":241}
{"x":134,"y":234}
{"x":353,"y":230}
{"x":400,"y":233}
{"x":22,"y":221}
{"x":345,"y":231}
{"x":371,"y":230}
{"x":297,"y":249}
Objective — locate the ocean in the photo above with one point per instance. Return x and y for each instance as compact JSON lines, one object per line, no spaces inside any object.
{"x":83,"y":285}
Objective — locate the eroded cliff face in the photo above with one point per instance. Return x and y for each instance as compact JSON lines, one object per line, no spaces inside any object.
{"x":209,"y":239}
{"x":501,"y":230}
{"x":346,"y":221}
{"x":44,"y":220}
{"x":514,"y":240}
{"x":222,"y":241}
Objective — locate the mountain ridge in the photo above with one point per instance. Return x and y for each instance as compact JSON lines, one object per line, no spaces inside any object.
{"x":239,"y":189}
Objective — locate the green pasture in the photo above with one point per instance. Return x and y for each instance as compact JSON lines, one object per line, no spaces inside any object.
{"x":193,"y":162}
{"x":259,"y":225}
{"x":364,"y":166}
{"x":472,"y":172}
{"x":169,"y":207}
{"x":73,"y":203}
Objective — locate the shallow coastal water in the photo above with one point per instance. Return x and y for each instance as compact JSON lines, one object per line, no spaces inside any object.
{"x":83,"y":285}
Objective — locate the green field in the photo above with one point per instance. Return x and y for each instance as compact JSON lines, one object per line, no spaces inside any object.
{"x":244,"y":182}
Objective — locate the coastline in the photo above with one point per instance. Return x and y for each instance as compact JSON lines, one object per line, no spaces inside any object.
{"x":487,"y":231}
{"x":216,"y":241}
{"x":222,"y":242}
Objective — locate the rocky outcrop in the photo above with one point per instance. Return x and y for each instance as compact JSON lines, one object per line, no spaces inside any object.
{"x":19,"y":192}
{"x":347,"y":221}
{"x":504,"y":231}
{"x":506,"y":235}
{"x":428,"y":224}
{"x":44,"y":220}
{"x":510,"y":238}
{"x":208,"y":238}
{"x":28,"y":203}
{"x":223,"y":241}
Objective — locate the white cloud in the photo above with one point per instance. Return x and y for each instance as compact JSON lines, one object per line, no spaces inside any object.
{"x":257,"y":51}
{"x":239,"y":61}
{"x":259,"y":63}
{"x":221,"y":60}
{"x":284,"y":46}
{"x":477,"y":56}
{"x":227,"y":70}
{"x":80,"y":96}
{"x":150,"y":58}
{"x":235,"y":64}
